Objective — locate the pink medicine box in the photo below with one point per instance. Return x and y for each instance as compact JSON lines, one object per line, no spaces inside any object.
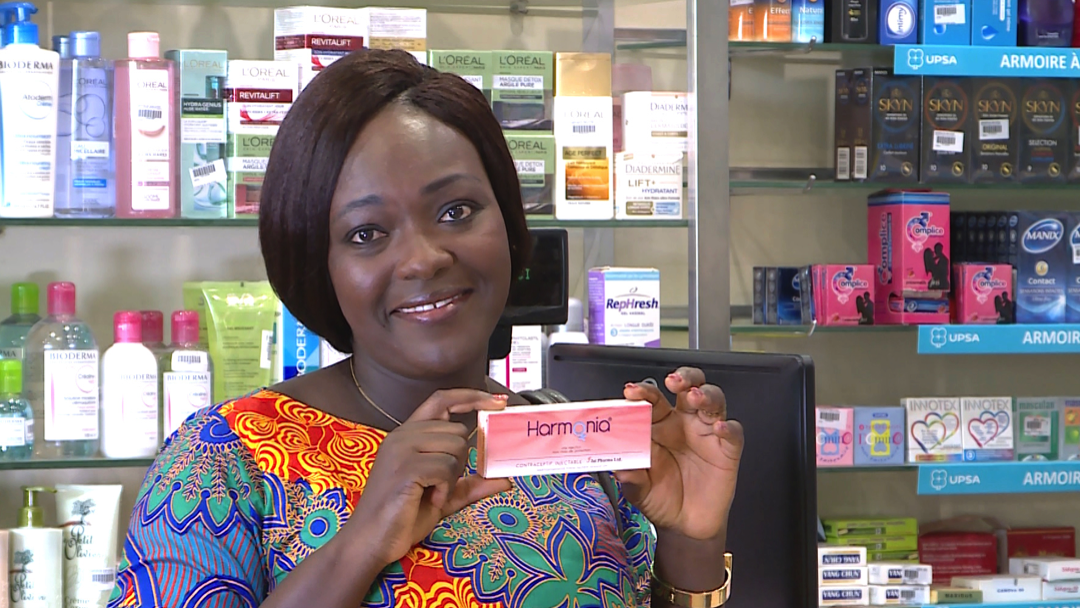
{"x":844,"y":294}
{"x":983,"y":293}
{"x":583,"y":437}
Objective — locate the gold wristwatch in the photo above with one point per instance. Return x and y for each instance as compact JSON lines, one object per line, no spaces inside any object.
{"x":687,"y":599}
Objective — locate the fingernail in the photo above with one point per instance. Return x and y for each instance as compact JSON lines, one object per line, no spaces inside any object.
{"x":674,"y":376}
{"x":500,"y":397}
{"x":696,"y":392}
{"x":630,"y":385}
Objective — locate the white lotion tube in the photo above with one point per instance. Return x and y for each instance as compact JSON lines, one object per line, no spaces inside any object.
{"x":90,"y":518}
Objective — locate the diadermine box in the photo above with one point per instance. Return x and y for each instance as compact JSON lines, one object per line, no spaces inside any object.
{"x":582,"y":437}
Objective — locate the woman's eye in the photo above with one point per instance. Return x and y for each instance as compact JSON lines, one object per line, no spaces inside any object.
{"x":457,"y":213}
{"x":367,"y":235}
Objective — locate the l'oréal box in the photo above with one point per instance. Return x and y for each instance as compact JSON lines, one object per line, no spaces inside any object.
{"x":313,"y":37}
{"x":534,"y":159}
{"x":473,"y":66}
{"x":562,"y":438}
{"x":398,"y":28}
{"x":522,"y":90}
{"x":648,"y":186}
{"x":203,"y":178}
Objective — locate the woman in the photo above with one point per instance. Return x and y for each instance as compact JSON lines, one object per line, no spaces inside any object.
{"x":391,"y":225}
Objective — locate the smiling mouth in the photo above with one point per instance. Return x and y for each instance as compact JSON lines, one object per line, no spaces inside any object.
{"x":435,"y":305}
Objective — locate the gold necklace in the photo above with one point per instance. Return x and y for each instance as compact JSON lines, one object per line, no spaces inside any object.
{"x":364,"y":394}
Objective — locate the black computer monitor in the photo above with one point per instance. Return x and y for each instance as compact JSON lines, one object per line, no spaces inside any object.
{"x":772,"y":530}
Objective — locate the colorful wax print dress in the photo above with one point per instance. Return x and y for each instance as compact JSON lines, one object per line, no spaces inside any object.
{"x":244,"y":491}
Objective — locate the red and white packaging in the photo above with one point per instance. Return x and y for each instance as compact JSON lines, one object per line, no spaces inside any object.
{"x":959,"y":554}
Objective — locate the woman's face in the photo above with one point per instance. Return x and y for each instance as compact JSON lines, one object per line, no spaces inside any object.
{"x":419,"y":255}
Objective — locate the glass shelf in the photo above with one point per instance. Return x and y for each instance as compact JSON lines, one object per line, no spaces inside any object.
{"x":804,"y":331}
{"x":535,"y":221}
{"x":76,"y":463}
{"x":899,"y":468}
{"x":643,"y":39}
{"x":538,"y":8}
{"x":811,"y":184}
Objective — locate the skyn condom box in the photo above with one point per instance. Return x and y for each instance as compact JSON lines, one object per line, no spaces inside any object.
{"x":946,"y":138}
{"x":1044,"y":131}
{"x":842,"y":125}
{"x":862,"y":122}
{"x":1074,"y":134}
{"x":996,"y":149}
{"x":895,"y":136}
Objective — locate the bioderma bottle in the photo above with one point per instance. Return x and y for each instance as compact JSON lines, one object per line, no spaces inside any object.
{"x":16,"y":415}
{"x":153,"y":331}
{"x":24,"y":314}
{"x":85,"y":178}
{"x":29,"y":79}
{"x":61,"y":379}
{"x":129,"y":393}
{"x":146,"y":137}
{"x":186,"y":373}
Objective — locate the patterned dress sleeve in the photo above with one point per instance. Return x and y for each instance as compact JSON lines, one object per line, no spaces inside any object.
{"x":640,"y":539}
{"x":194,"y":537}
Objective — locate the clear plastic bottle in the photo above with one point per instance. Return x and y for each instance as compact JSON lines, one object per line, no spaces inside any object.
{"x":86,"y":175}
{"x":16,"y":415}
{"x":147,"y":142}
{"x":60,"y":376}
{"x":153,"y":331}
{"x":24,"y":314}
{"x":187,"y":374}
{"x":129,"y":393}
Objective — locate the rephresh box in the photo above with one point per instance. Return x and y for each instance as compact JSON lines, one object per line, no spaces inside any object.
{"x":896,"y":130}
{"x":946,"y":130}
{"x":624,"y":306}
{"x":993,"y":22}
{"x":988,"y":433}
{"x":996,"y":149}
{"x":945,"y":22}
{"x":879,"y":436}
{"x":1045,"y":138}
{"x":1043,"y":267}
{"x":201,"y":100}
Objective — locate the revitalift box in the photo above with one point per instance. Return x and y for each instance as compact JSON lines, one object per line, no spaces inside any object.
{"x":583,"y":437}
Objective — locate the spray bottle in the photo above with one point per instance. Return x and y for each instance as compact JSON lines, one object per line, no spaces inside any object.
{"x":36,"y":570}
{"x":29,"y":81}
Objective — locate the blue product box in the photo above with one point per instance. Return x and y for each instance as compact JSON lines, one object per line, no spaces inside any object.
{"x":759,"y":295}
{"x":300,"y":347}
{"x":898,"y":22}
{"x":772,"y":292}
{"x":945,"y":22}
{"x":993,"y":22}
{"x":808,"y":21}
{"x":1072,"y":292}
{"x":1043,"y":266}
{"x":879,"y":435}
{"x":788,"y":297}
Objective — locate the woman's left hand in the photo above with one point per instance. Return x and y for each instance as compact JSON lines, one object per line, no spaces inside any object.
{"x":695,"y":457}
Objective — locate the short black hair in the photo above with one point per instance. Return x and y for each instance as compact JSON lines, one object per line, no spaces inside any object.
{"x":310,"y":149}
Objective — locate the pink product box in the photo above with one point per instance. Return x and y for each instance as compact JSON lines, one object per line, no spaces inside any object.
{"x":835,"y":436}
{"x":843,"y":294}
{"x":908,"y":245}
{"x":983,"y":293}
{"x":561,"y":438}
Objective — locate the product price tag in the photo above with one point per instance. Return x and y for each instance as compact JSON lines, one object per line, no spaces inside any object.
{"x":12,"y":432}
{"x":843,"y":164}
{"x":266,"y":352}
{"x":476,"y":81}
{"x":190,"y":361}
{"x":948,"y":141}
{"x":1037,"y":426}
{"x":994,"y":129}
{"x":214,"y":173}
{"x":862,"y":157}
{"x":949,"y":14}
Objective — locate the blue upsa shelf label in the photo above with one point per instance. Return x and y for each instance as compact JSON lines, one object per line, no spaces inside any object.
{"x":999,"y":478}
{"x":999,"y":61}
{"x":998,"y":339}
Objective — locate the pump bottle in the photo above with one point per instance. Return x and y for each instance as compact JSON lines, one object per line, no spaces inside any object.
{"x":36,"y":578}
{"x":29,"y":81}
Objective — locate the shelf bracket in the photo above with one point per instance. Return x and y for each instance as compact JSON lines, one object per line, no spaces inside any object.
{"x":519,"y":7}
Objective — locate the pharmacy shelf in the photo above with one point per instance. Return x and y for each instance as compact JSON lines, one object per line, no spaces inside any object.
{"x":998,"y":478}
{"x":535,"y":221}
{"x":999,"y":339}
{"x":805,"y":331}
{"x":993,"y":61}
{"x":75,"y":463}
{"x":1039,"y":604}
{"x":644,"y":39}
{"x":747,"y":181}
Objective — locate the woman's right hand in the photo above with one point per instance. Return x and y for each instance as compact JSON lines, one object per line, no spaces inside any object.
{"x":416,"y":479}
